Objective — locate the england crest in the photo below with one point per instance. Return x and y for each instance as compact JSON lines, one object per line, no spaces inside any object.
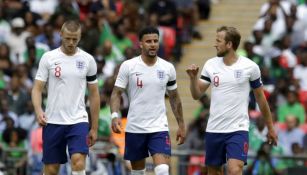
{"x":80,"y":64}
{"x":238,"y":73}
{"x":161,"y":74}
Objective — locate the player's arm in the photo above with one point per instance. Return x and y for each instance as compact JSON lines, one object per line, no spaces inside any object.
{"x":176,"y":106}
{"x":197,"y":86}
{"x":37,"y":92}
{"x":265,"y":110}
{"x":94,"y":106}
{"x":115,"y":107}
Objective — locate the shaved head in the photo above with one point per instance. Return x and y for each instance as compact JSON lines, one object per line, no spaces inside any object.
{"x":71,"y":25}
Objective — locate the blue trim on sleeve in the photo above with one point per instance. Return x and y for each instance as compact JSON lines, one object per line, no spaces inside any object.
{"x":256,"y":83}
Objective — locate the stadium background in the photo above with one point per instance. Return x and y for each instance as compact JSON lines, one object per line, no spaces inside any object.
{"x":197,"y":37}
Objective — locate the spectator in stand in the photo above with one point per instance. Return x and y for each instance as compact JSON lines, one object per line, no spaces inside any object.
{"x":291,"y":107}
{"x":15,"y":138}
{"x":204,"y":8}
{"x":34,"y":51}
{"x":166,"y":11}
{"x":257,"y":134}
{"x":249,"y":52}
{"x":6,"y":115}
{"x":282,"y":8}
{"x":31,"y":22}
{"x":27,"y":120}
{"x":5,"y":62}
{"x":287,"y":58}
{"x":17,"y":96}
{"x":67,"y":8}
{"x":17,"y":41}
{"x":103,"y":5}
{"x":188,"y":13}
{"x":5,"y":28}
{"x":300,"y":78}
{"x":292,"y":134}
{"x":90,"y":33}
{"x":45,"y":8}
{"x":49,"y":36}
{"x":296,"y":28}
{"x":264,"y":163}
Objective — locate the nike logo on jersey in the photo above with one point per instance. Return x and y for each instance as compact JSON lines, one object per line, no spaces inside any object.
{"x":138,"y":74}
{"x":57,"y":63}
{"x":214,"y":73}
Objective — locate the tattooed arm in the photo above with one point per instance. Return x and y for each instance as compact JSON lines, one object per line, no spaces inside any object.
{"x":176,"y":105}
{"x":115,"y":105}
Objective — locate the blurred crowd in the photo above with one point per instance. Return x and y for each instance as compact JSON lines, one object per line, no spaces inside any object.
{"x":278,"y":44}
{"x":29,"y":28}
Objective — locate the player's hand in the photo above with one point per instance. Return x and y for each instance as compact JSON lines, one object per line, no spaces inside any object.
{"x":180,"y":137}
{"x":92,"y":137}
{"x":192,"y":71}
{"x":272,"y":137}
{"x":41,"y":118}
{"x":117,"y":125}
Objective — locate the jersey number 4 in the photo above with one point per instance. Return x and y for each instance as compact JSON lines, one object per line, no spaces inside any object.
{"x":139,"y":83}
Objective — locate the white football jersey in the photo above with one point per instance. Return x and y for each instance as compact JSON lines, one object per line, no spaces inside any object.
{"x":230,"y":87}
{"x":146,"y":87}
{"x":67,"y":78}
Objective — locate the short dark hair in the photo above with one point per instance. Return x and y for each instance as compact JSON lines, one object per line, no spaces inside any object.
{"x":232,"y":34}
{"x":71,"y":25}
{"x":148,"y":30}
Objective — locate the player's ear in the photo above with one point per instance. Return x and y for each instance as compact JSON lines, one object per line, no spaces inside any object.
{"x":140,"y":44}
{"x":229,"y":44}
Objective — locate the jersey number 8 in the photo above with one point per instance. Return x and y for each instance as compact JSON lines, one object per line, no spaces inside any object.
{"x":57,"y":71}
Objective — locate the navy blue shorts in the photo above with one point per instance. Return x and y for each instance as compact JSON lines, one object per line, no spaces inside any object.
{"x":223,"y":146}
{"x":138,"y":146}
{"x":56,"y":138}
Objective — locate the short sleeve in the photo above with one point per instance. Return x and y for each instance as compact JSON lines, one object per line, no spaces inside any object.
{"x":255,"y":74}
{"x":122,"y":76}
{"x":205,"y":76}
{"x":255,"y":78}
{"x":92,"y":71}
{"x":171,"y":84}
{"x":42,"y":72}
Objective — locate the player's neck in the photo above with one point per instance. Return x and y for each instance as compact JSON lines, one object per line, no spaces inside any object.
{"x":149,"y":61}
{"x":66,"y":52}
{"x":230,"y":58}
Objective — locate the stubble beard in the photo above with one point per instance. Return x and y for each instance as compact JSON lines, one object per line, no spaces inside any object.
{"x":222,"y":54}
{"x":151,"y":55}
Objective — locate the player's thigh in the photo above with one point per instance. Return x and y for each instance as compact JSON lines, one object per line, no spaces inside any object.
{"x":215,"y":144}
{"x":77,"y":140}
{"x":136,"y":146}
{"x":54,"y":144}
{"x":159,"y":144}
{"x":237,"y":146}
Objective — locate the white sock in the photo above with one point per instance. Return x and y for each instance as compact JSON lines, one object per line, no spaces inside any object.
{"x":82,"y":172}
{"x":162,"y":169}
{"x":138,"y":172}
